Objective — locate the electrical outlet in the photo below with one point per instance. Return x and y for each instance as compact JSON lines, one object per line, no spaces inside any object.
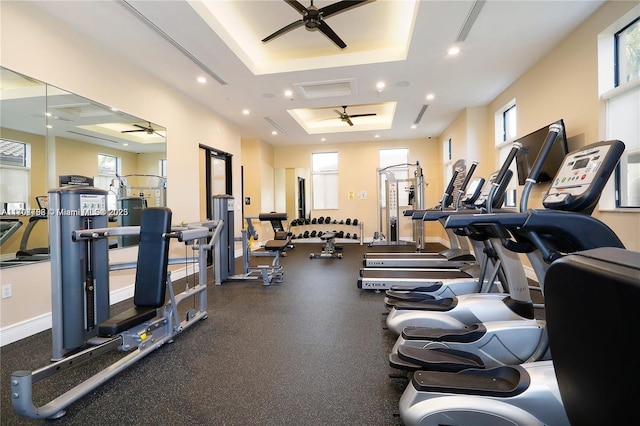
{"x":6,"y":291}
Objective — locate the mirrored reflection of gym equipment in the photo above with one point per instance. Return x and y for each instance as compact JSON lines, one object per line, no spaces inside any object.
{"x":395,"y":192}
{"x":35,"y":253}
{"x":148,"y":191}
{"x":82,"y":328}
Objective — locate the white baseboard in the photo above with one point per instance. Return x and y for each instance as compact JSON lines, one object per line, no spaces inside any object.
{"x":20,"y":330}
{"x":14,"y":332}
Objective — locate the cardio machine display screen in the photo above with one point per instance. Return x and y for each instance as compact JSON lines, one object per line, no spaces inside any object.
{"x":581,"y":163}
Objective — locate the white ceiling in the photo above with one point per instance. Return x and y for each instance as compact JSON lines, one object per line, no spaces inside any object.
{"x":403,"y":43}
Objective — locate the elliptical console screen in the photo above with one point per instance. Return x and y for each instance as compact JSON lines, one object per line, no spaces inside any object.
{"x":576,"y":174}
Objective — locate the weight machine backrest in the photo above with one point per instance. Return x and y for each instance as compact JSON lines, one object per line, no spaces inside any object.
{"x":153,"y":258}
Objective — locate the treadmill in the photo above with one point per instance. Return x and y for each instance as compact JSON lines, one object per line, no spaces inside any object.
{"x":470,"y":274}
{"x":458,"y":255}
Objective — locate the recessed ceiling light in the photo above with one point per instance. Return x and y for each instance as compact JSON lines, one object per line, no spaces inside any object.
{"x":376,"y":136}
{"x":245,"y":111}
{"x":430,"y":96}
{"x":201,"y":80}
{"x":454,"y":50}
{"x":49,"y":126}
{"x":288,"y":93}
{"x":380,"y":85}
{"x":48,"y":114}
{"x":125,"y":144}
{"x":273,"y":132}
{"x":413,"y":126}
{"x":323,"y":139}
{"x":114,"y":109}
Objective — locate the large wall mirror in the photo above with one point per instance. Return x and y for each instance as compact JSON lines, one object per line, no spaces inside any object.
{"x":50,"y":138}
{"x":292,"y":193}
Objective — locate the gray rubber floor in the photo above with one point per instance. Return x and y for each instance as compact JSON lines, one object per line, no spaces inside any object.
{"x":309,"y":351}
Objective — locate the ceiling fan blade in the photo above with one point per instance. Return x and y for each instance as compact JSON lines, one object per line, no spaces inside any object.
{"x":338,"y":112}
{"x":348,"y":120}
{"x":139,"y":129}
{"x":362,"y":115}
{"x":326,"y":29}
{"x":283,"y":30}
{"x":339,"y":7}
{"x":296,"y":5}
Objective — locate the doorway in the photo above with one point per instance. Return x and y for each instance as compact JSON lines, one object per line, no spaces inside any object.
{"x":215,"y":178}
{"x":302,"y":196}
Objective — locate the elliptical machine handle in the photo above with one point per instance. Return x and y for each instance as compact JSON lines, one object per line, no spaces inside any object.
{"x":465,"y":182}
{"x":501,"y":174}
{"x":554,"y":131}
{"x":449,"y":190}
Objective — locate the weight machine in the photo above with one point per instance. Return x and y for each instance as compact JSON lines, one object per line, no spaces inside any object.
{"x":389,"y":217}
{"x":82,"y":328}
{"x":225,"y":257}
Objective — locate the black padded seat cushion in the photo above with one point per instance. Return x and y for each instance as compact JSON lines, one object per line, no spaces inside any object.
{"x":126,"y":320}
{"x":276,"y":245}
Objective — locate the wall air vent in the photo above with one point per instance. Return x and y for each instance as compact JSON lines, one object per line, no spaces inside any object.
{"x":327,"y":89}
{"x":420,"y":114}
{"x":274,"y":124}
{"x":471,"y":19}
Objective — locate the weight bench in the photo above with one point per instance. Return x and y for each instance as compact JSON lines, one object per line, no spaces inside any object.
{"x":330,"y":249}
{"x":274,"y":248}
{"x":151,"y":273}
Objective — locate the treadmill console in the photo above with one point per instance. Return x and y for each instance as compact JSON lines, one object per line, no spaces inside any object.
{"x":582,"y":175}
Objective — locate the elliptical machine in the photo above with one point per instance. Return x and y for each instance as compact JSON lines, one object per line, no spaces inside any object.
{"x":526,"y":394}
{"x":494,"y":343}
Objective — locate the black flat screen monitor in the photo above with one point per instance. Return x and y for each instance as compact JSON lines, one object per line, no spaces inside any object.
{"x":531,"y":145}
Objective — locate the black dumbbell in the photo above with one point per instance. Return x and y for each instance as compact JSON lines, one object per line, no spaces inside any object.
{"x":355,"y":222}
{"x":348,"y":221}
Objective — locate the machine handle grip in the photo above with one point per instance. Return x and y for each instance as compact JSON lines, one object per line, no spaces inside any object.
{"x":554,"y":130}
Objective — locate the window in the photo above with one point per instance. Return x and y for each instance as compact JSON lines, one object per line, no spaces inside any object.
{"x":324,"y":180}
{"x":394,"y":161}
{"x":108,"y":170}
{"x":627,"y":57}
{"x":107,"y":165}
{"x":619,"y":86}
{"x":506,"y":131}
{"x":447,"y":159}
{"x":15,"y":164}
{"x":162,"y":168}
{"x":509,"y":123}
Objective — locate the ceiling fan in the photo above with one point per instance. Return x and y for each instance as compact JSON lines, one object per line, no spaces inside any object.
{"x":347,"y":117}
{"x":312,"y":19}
{"x":148,"y":129}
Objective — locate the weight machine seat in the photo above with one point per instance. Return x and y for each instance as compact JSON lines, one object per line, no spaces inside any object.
{"x":151,"y":272}
{"x":595,"y":294}
{"x":276,"y":245}
{"x":276,"y":223}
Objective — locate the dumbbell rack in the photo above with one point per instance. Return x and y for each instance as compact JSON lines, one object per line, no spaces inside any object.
{"x":298,"y":229}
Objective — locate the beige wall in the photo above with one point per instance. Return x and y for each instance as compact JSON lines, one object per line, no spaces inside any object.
{"x":564,"y":84}
{"x":40,"y":47}
{"x":357,"y":173}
